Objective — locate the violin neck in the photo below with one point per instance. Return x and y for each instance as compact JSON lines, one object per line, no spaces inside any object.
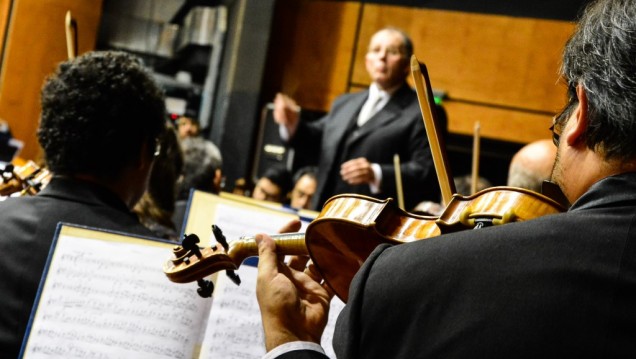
{"x":292,"y":244}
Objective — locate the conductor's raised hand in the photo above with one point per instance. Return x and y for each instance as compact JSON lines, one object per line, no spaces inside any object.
{"x":294,"y":305}
{"x":286,"y":112}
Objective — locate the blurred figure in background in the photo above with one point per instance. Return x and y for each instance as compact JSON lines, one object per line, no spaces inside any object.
{"x":273,"y":185}
{"x":304,"y":188}
{"x":532,"y":165}
{"x":201,"y":171}
{"x":355,"y":143}
{"x":188,"y":126}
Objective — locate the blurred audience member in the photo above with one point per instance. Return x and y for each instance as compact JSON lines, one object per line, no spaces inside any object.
{"x":462,"y":187}
{"x":304,"y":188}
{"x":532,"y":165}
{"x":202,"y":167}
{"x":201,"y":171}
{"x":188,"y":126}
{"x":156,"y":207}
{"x":463,"y":184}
{"x":273,"y":185}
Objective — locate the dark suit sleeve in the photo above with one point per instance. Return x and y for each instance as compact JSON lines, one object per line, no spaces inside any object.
{"x":419,"y":179}
{"x":302,"y":354}
{"x":346,"y":338}
{"x":307,"y":140}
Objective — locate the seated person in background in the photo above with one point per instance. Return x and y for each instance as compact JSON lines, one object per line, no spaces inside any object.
{"x":102,"y":115}
{"x":463,"y":186}
{"x":243,"y":187}
{"x":532,"y":165}
{"x":156,"y":207}
{"x":188,"y":126}
{"x":304,"y":188}
{"x":354,"y":144}
{"x":202,"y":164}
{"x":558,"y":286}
{"x":464,"y":183}
{"x":273,"y":185}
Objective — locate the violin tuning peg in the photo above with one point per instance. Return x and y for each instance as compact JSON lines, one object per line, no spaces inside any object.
{"x":205,"y":289}
{"x":220,"y":238}
{"x":233,"y":277}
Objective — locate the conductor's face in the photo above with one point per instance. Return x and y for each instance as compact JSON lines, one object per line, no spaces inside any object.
{"x":386,"y":60}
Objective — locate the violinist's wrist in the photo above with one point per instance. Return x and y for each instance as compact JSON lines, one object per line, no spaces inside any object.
{"x":293,"y":346}
{"x":277,"y":334}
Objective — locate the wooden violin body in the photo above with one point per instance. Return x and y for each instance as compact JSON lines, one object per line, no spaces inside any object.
{"x":349,"y":227}
{"x":25,"y":180}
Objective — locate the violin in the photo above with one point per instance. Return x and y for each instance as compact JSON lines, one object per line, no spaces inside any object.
{"x":26,"y":180}
{"x":349,"y":227}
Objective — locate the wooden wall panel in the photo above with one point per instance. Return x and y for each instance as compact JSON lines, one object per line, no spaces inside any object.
{"x":35,"y":44}
{"x":312,"y":49}
{"x":5,"y":6}
{"x":482,"y":59}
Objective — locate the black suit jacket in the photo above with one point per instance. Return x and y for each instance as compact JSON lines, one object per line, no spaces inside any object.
{"x":396,"y":128}
{"x":27,"y":227}
{"x":560,"y":286}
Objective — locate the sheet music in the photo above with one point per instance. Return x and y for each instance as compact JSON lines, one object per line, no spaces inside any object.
{"x":235,"y":329}
{"x":236,"y":222}
{"x":106,"y":299}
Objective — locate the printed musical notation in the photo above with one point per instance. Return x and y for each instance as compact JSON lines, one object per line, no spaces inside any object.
{"x":234,"y":328}
{"x":105,"y":299}
{"x":105,"y":295}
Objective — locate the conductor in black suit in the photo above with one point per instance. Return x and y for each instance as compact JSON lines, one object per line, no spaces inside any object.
{"x":559,"y":286}
{"x":355,"y":143}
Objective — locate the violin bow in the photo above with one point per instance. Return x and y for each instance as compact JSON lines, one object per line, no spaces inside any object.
{"x":398,"y":180}
{"x":474,"y":178}
{"x":425,"y":98}
{"x":71,"y":35}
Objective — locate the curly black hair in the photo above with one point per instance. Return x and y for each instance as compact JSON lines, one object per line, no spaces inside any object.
{"x":98,"y":110}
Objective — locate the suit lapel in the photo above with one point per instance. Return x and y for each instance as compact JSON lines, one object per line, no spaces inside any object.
{"x":342,"y":123}
{"x":387,"y":114}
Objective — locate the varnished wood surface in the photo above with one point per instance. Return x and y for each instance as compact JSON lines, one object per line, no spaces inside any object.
{"x":36,"y":42}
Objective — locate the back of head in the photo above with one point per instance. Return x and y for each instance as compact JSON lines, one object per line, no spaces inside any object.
{"x":280,"y":176}
{"x":601,"y":57}
{"x":531,"y":165}
{"x":98,"y":110}
{"x":201,"y":161}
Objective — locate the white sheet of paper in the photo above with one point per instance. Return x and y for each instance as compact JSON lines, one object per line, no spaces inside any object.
{"x":107,"y":299}
{"x":235,"y":329}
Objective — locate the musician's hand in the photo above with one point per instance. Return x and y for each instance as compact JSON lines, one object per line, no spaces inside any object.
{"x":357,"y":171}
{"x":286,"y":112}
{"x":294,"y":306}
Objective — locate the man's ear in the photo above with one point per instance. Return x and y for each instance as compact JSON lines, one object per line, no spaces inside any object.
{"x":579,"y":119}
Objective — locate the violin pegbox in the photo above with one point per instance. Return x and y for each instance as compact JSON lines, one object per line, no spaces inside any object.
{"x":191,"y":263}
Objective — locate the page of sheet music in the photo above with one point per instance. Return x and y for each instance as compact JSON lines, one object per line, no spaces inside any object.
{"x":106,"y":299}
{"x":234,"y":328}
{"x":236,"y":221}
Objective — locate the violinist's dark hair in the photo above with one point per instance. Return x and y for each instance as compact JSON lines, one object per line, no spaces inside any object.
{"x":98,"y":110}
{"x":601,"y":56}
